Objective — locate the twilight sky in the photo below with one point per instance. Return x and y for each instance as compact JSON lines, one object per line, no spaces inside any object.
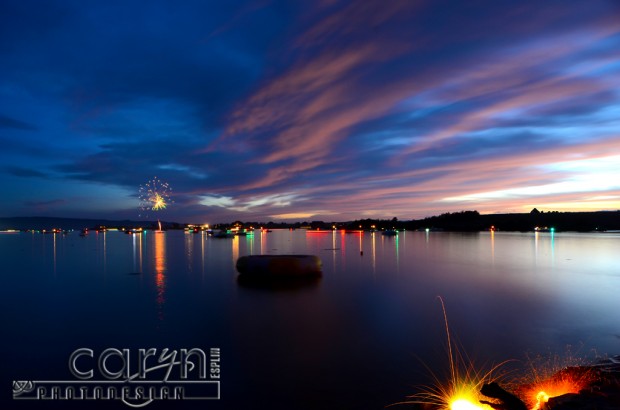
{"x":308,"y":110}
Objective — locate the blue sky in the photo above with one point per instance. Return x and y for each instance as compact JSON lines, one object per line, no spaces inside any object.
{"x":269,"y":110}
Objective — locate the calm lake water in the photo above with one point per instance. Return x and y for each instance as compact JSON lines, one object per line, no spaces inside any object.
{"x":359,"y":338}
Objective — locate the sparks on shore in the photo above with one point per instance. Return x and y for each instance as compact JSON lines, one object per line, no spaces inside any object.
{"x":552,"y":378}
{"x":461,"y":390}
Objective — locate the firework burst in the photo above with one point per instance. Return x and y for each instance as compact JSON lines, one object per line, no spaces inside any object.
{"x":154,"y":196}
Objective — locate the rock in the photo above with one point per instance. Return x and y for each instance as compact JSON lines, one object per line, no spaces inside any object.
{"x":602,"y":393}
{"x":508,"y":400}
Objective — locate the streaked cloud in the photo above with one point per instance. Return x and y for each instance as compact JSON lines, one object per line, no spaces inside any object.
{"x":221,"y":201}
{"x":315,"y":110}
{"x":302,"y":215}
{"x":588,"y":175}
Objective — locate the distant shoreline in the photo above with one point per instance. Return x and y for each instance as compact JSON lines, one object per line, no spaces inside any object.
{"x":465,"y":221}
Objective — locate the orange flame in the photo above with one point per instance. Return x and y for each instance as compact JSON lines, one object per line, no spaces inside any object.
{"x":570,"y":380}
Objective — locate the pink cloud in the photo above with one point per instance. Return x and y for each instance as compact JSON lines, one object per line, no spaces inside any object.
{"x":296,"y":120}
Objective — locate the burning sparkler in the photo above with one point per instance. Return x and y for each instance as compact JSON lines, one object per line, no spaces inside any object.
{"x":466,"y":387}
{"x":462,"y":389}
{"x":154,"y":196}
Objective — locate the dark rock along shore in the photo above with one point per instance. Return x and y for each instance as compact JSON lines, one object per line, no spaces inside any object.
{"x":601,"y":391}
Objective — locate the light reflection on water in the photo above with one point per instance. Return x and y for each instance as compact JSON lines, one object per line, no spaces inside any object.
{"x":137,"y":253}
{"x":160,"y":269}
{"x":350,"y":340}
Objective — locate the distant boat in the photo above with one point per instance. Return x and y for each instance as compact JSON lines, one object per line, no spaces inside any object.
{"x":390,"y":232}
{"x":222,"y":234}
{"x":84,"y":232}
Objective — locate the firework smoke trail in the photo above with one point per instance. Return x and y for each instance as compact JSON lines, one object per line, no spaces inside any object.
{"x":154,"y":196}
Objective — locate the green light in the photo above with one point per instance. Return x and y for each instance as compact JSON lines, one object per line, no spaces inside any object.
{"x":552,"y":229}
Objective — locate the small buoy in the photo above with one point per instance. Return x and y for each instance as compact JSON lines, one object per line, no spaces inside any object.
{"x":362,"y":253}
{"x":279,"y":265}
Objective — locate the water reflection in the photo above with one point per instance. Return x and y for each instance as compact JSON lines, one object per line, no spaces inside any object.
{"x":390,"y":245}
{"x":397,"y":247}
{"x":160,"y":269}
{"x":374,"y":253}
{"x":250,"y":244}
{"x":137,"y":253}
{"x":361,"y":235}
{"x":501,"y":302}
{"x":263,"y":242}
{"x":101,"y":241}
{"x":54,"y":254}
{"x":235,"y":250}
{"x":544,"y":247}
{"x":189,"y":247}
{"x":493,"y":247}
{"x":202,"y":244}
{"x":552,"y":248}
